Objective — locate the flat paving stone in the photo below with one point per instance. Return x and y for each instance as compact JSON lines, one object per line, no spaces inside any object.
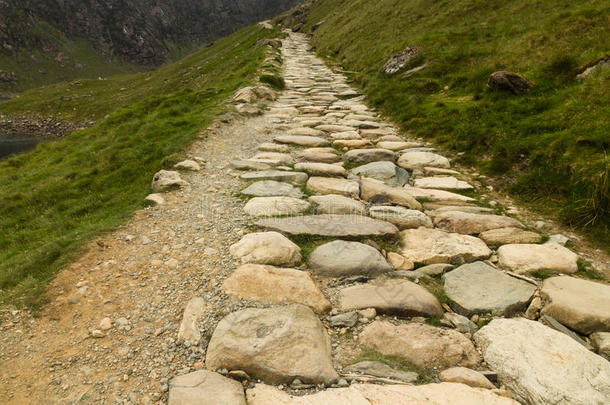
{"x":205,"y":387}
{"x":362,"y":156}
{"x":344,"y":258}
{"x":296,"y":178}
{"x":403,"y":218}
{"x":276,"y":345}
{"x":302,"y":140}
{"x":276,"y":285}
{"x":443,"y":183}
{"x":321,"y":169}
{"x":329,"y":225}
{"x":275,"y":206}
{"x":391,"y":296}
{"x":336,"y":204}
{"x":326,"y":185}
{"x":478,"y":288}
{"x":271,"y":188}
{"x":581,"y":305}
{"x":377,"y":192}
{"x":418,"y":160}
{"x":430,"y":246}
{"x":306,"y":131}
{"x":321,"y":157}
{"x":472,"y":224}
{"x":387,"y":172}
{"x":424,"y":194}
{"x":510,"y":235}
{"x":528,"y":258}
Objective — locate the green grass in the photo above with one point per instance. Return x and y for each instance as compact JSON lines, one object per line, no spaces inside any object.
{"x":543,"y":274}
{"x":64,"y":193}
{"x":586,"y":270}
{"x":425,"y":376}
{"x":549,"y":146}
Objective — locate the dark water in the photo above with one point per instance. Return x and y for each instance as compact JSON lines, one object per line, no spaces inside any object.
{"x":13,"y":144}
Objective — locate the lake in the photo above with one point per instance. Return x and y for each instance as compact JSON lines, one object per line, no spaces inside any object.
{"x":13,"y":144}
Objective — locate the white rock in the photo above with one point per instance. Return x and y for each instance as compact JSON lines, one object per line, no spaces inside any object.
{"x":527,"y":258}
{"x":336,"y":204}
{"x":188,"y":165}
{"x":155,"y":198}
{"x":276,"y":286}
{"x":189,"y":330}
{"x":402,"y":217}
{"x":541,"y":366}
{"x":267,"y":248}
{"x":275,"y":206}
{"x":325,"y":185}
{"x":417,"y":160}
{"x":276,"y":345}
{"x":430,"y":246}
{"x":165,"y":179}
{"x":581,"y":305}
{"x":205,"y":388}
{"x":443,"y":183}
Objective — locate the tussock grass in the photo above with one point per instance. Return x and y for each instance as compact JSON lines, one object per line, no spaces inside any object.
{"x":64,"y":193}
{"x":549,"y":146}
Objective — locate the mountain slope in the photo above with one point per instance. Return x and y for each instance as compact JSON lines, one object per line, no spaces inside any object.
{"x":45,"y":41}
{"x":65,"y":192}
{"x":548,"y":146}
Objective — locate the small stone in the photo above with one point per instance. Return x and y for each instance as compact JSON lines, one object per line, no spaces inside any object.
{"x":343,"y":258}
{"x":98,"y":334}
{"x":164,"y":180}
{"x":369,"y":313}
{"x":460,"y":323}
{"x":347,"y":319}
{"x":267,"y":248}
{"x":155,"y":198}
{"x":105,"y":324}
{"x":205,"y":387}
{"x":466,"y":376}
{"x":189,"y":329}
{"x":399,"y":262}
{"x":188,"y":165}
{"x":325,"y":185}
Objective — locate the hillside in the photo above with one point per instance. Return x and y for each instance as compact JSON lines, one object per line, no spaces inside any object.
{"x":47,"y":41}
{"x":548,"y":147}
{"x":62,"y":194}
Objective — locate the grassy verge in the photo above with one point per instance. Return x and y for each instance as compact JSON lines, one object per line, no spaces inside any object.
{"x":64,"y":193}
{"x":549,"y":146}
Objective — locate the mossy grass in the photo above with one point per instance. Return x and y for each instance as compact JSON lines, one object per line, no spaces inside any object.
{"x":64,"y":193}
{"x":548,"y":147}
{"x":585,"y":269}
{"x":543,"y":274}
{"x":425,"y":376}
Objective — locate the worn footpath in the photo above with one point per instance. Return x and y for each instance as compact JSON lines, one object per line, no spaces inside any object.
{"x":315,"y":255}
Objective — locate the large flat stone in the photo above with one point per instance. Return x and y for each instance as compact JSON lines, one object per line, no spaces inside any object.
{"x":417,"y":160}
{"x":478,"y":288}
{"x":507,"y":236}
{"x":362,"y":156}
{"x":403,"y":218}
{"x":280,"y":158}
{"x":341,"y":258}
{"x":387,"y":172}
{"x":302,"y":140}
{"x":527,"y":258}
{"x":205,"y":388}
{"x":330,"y":225}
{"x":442,"y":183}
{"x":336,"y":204}
{"x":266,"y":248}
{"x":430,"y":246}
{"x":466,"y":376}
{"x":397,"y":145}
{"x":541,"y":366}
{"x":275,"y":345}
{"x":275,"y":285}
{"x":471,"y":224}
{"x":321,"y":157}
{"x":424,"y":194}
{"x":424,"y":345}
{"x":372,"y":394}
{"x":270,"y":188}
{"x":321,"y":169}
{"x":275,"y":206}
{"x":305,"y":131}
{"x":376,"y":192}
{"x":391,"y":296}
{"x":325,"y":185}
{"x":297,"y":178}
{"x":352,"y":143}
{"x":581,"y":305}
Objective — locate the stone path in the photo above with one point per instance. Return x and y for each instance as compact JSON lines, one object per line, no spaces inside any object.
{"x":352,"y":246}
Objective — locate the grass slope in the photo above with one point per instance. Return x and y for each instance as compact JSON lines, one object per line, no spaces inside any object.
{"x":549,"y":146}
{"x":64,"y":193}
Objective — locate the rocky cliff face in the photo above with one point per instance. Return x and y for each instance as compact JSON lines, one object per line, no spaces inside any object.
{"x":138,"y":31}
